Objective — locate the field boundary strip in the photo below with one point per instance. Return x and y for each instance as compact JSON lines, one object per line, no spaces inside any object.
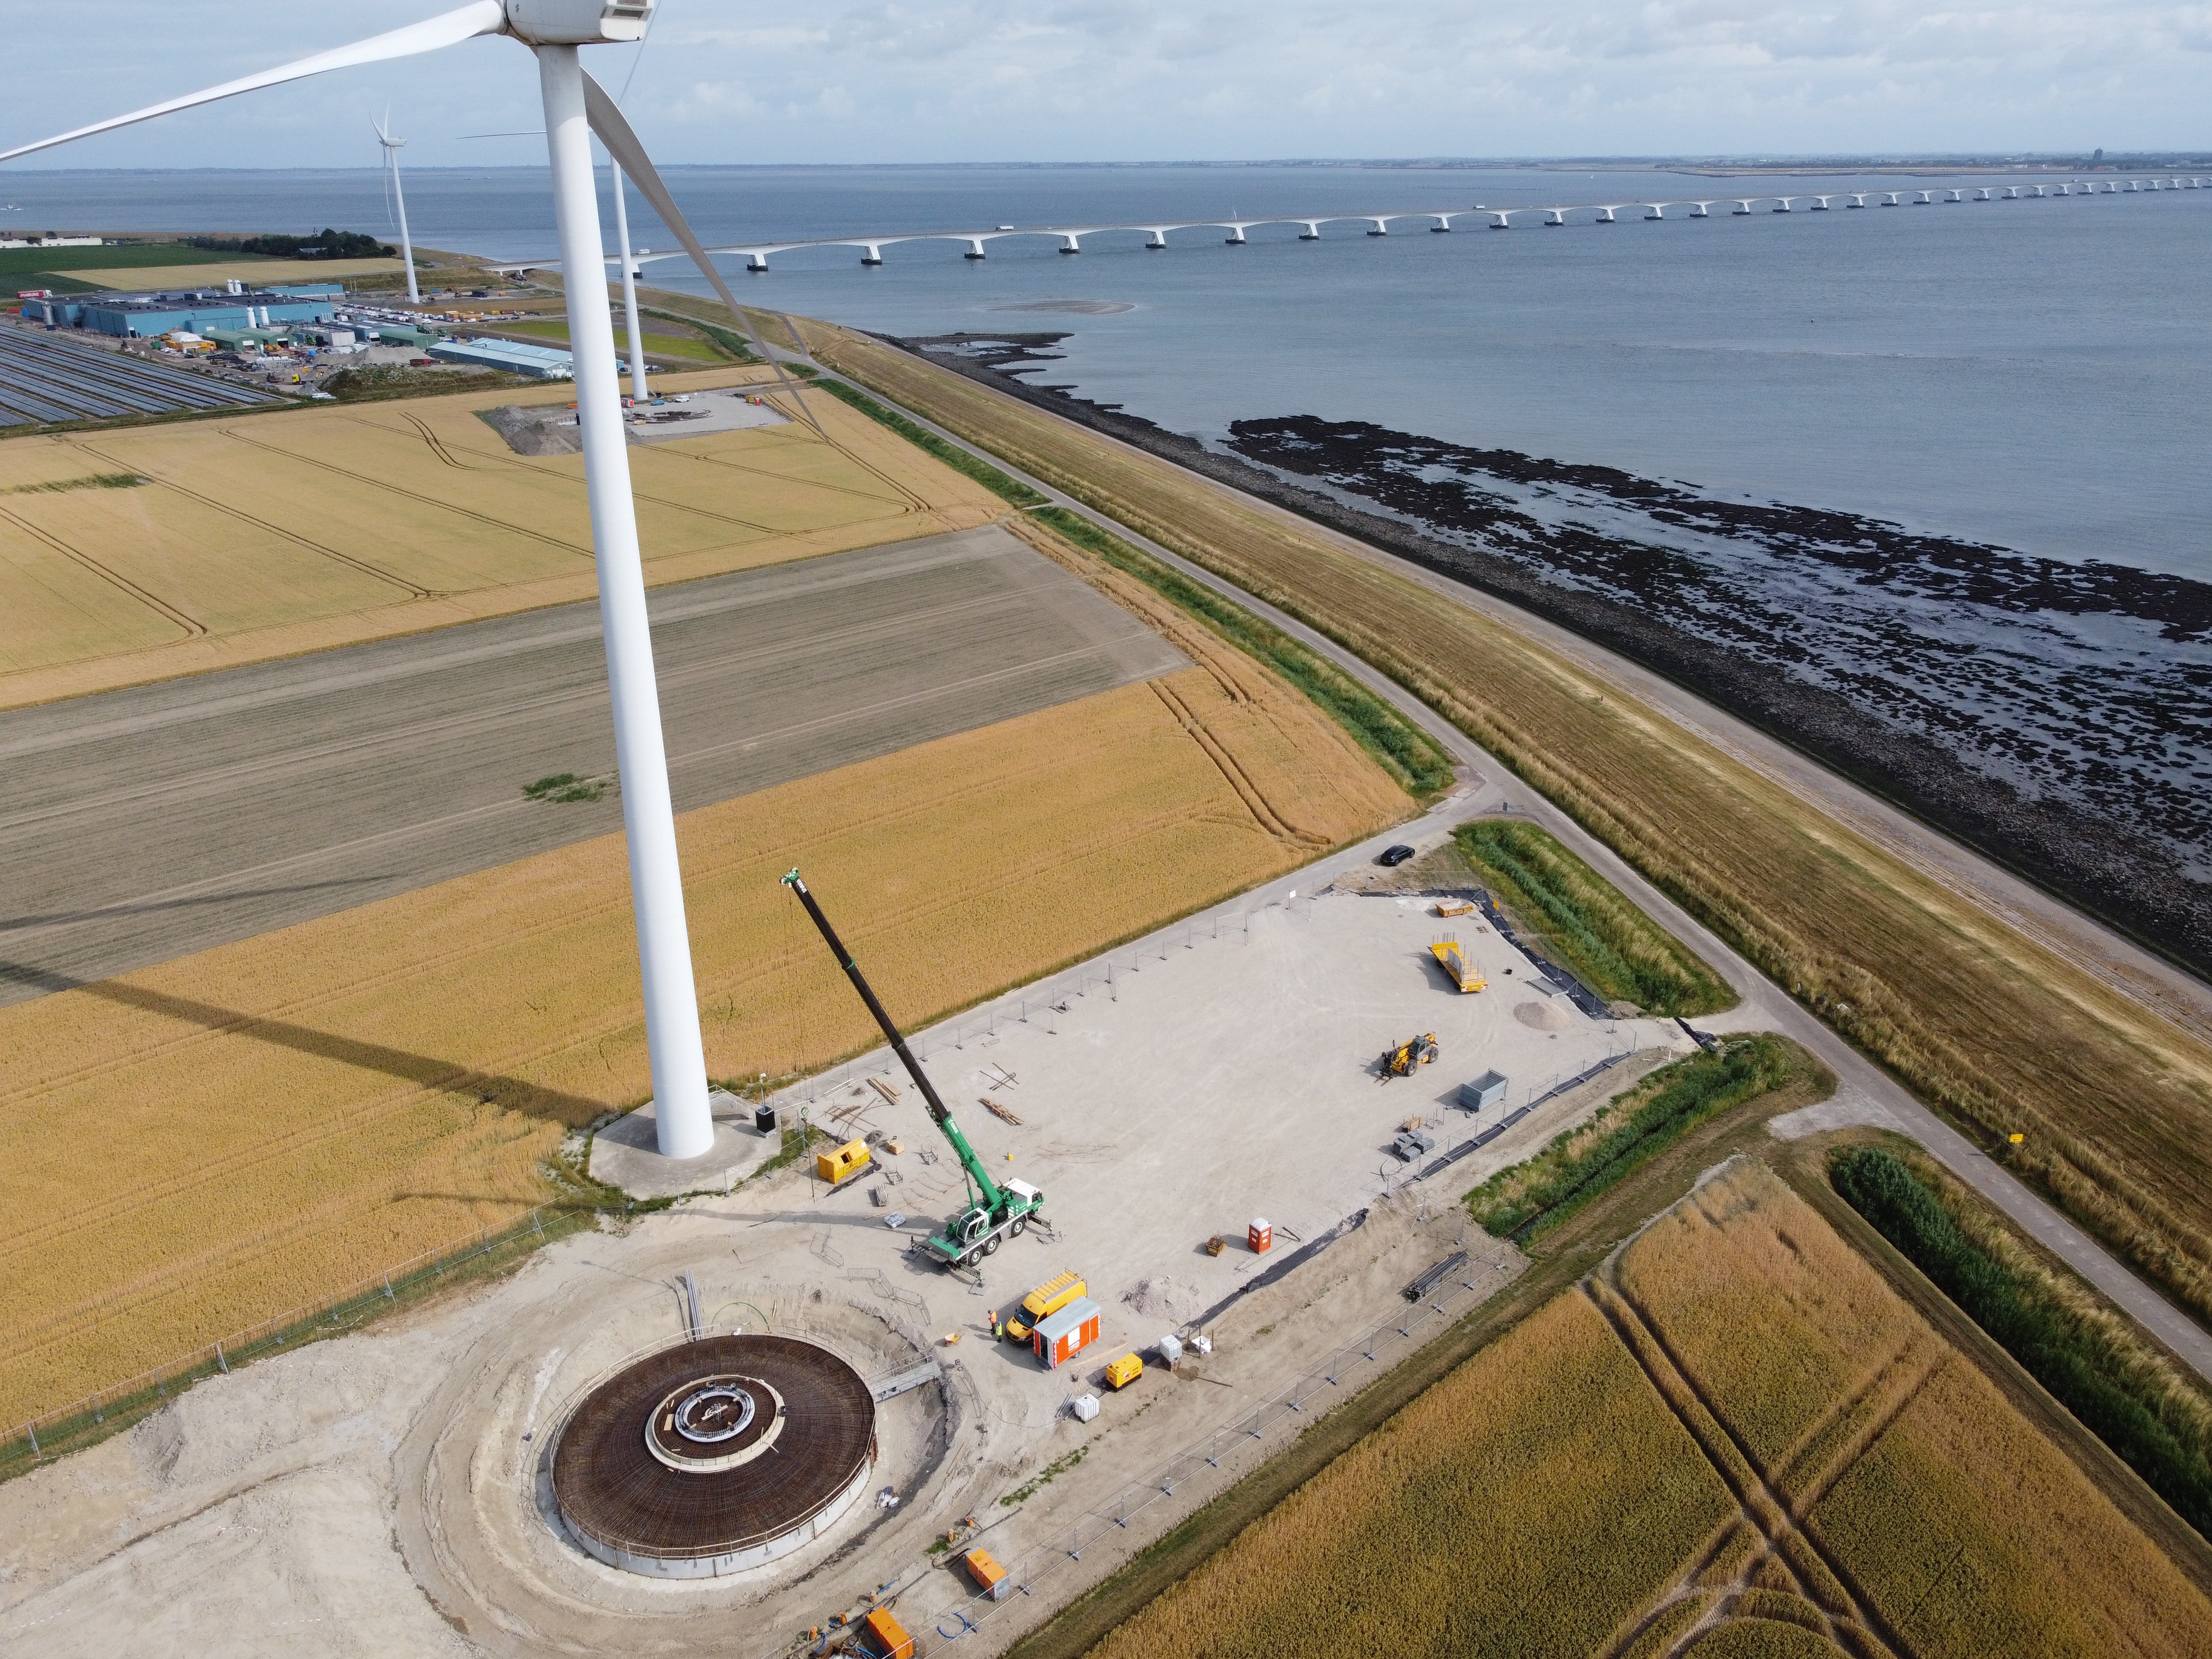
{"x":69,"y":1428}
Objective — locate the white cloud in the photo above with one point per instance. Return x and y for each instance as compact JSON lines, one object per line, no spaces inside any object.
{"x":1122,"y":80}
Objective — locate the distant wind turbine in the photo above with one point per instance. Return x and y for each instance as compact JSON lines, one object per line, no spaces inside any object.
{"x":406,"y":246}
{"x":575,"y":108}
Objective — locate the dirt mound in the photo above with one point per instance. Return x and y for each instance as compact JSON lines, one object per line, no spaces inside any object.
{"x":1163,"y":1297}
{"x":1542,"y":1016}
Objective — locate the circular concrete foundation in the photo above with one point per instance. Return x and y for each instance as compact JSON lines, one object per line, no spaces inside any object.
{"x":715,"y":1456}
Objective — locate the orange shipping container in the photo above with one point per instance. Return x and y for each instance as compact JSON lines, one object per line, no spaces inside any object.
{"x":883,"y":1638}
{"x":1067,"y":1333}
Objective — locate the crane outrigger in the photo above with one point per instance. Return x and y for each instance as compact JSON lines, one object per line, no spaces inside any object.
{"x":995,"y":1212}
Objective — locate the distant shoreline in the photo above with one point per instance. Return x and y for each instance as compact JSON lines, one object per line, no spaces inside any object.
{"x":2113,"y":864}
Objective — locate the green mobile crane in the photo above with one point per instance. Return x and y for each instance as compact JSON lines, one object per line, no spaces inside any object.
{"x":995,"y":1212}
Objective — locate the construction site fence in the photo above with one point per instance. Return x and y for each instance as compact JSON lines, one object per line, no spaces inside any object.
{"x":102,"y":1412}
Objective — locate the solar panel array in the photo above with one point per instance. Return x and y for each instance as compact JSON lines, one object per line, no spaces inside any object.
{"x":44,"y":379}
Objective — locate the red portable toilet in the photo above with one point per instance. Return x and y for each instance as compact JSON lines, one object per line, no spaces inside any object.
{"x":1260,"y":1236}
{"x":1066,"y":1333}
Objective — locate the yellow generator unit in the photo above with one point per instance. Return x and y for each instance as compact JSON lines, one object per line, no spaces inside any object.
{"x":1124,"y":1371}
{"x":848,"y":1160}
{"x":1463,"y":972}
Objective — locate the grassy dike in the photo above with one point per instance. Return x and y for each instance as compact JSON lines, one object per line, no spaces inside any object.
{"x":2005,"y":1036}
{"x":1402,"y":749}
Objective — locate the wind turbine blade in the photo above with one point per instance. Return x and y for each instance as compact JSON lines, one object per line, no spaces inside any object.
{"x":450,"y":28}
{"x":614,"y":131}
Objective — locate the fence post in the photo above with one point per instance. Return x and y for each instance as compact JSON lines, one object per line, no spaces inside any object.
{"x":32,"y":1429}
{"x":221,"y":1363}
{"x":534,"y":1226}
{"x":388,"y":1296}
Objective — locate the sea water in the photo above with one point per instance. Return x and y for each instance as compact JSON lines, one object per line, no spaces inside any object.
{"x":2028,"y":373}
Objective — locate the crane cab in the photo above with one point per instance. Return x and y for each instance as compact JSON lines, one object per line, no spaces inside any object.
{"x":978,"y":1231}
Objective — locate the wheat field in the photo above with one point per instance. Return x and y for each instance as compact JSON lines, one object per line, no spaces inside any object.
{"x":1736,"y":1441}
{"x":263,"y":536}
{"x":202,"y":1144}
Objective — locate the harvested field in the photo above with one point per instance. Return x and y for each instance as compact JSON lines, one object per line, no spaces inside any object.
{"x":1579,"y":918}
{"x":287,"y":790}
{"x":191,"y":267}
{"x":410,"y":1065}
{"x":1811,"y":1469}
{"x":268,"y":536}
{"x":1976,"y":1017}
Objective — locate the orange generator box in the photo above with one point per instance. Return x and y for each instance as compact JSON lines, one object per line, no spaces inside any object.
{"x":882,"y":1637}
{"x":1260,"y":1236}
{"x":990,"y":1577}
{"x":1066,"y":1333}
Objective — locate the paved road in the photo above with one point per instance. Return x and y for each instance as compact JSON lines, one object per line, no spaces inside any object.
{"x":1865,"y":1093}
{"x":140,"y":825}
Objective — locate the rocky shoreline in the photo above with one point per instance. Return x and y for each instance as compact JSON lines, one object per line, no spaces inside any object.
{"x":2058,"y":717}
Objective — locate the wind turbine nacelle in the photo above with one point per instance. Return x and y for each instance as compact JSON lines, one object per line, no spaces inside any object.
{"x":578,"y":23}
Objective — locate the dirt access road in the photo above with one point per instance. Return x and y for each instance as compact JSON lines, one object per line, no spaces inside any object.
{"x":144,"y":825}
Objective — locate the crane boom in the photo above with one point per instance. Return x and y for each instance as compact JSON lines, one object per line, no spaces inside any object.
{"x":991,"y":1196}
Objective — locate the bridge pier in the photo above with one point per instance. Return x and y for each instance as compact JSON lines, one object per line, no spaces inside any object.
{"x":758,"y":264}
{"x":1858,"y":201}
{"x":1742,"y":208}
{"x":975,"y":248}
{"x":1069,"y":245}
{"x":1503,"y":222}
{"x":1705,"y":209}
{"x":1159,"y":239}
{"x":1558,"y":217}
{"x":1382,"y":229}
{"x":1236,"y":237}
{"x":1312,"y":231}
{"x":872,"y":254}
{"x":1784,"y":206}
{"x":1605,"y":216}
{"x":1442,"y":226}
{"x":1819,"y":204}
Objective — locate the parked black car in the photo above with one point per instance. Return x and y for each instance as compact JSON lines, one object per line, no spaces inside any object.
{"x":1390,"y":855}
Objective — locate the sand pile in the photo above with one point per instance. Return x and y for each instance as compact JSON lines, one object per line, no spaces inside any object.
{"x":1542,"y":1016}
{"x":1163,"y":1297}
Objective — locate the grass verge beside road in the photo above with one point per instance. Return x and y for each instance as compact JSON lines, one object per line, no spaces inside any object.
{"x":999,"y":484}
{"x":1999,"y":1032}
{"x":1588,"y":924}
{"x":1531,"y":1198}
{"x":1404,"y":750}
{"x":2096,"y":1364}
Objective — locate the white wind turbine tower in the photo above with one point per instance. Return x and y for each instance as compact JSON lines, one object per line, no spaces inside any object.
{"x":576,"y":107}
{"x":406,"y":246}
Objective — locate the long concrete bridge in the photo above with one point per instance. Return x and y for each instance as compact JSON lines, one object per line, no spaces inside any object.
{"x":1155,"y":231}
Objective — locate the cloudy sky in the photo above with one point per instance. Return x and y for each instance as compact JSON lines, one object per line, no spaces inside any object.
{"x":1124,"y":80}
